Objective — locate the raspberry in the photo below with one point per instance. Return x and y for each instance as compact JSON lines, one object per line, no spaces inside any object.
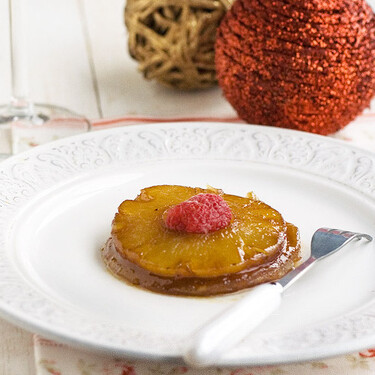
{"x":202,"y":213}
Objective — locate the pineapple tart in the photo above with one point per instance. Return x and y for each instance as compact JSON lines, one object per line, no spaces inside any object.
{"x":199,"y":242}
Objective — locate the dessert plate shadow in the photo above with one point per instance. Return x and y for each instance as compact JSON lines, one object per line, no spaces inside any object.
{"x":57,"y":203}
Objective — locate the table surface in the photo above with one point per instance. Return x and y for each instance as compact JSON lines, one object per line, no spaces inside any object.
{"x":78,"y":59}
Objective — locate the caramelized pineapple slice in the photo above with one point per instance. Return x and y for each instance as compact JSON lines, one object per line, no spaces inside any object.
{"x":256,"y":235}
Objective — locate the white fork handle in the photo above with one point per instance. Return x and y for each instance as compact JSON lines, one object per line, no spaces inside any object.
{"x":211,"y":341}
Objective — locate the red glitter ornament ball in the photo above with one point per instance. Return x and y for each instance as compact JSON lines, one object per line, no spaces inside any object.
{"x":300,"y":64}
{"x":202,"y":213}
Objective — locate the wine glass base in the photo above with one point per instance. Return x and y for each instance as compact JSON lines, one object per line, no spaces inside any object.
{"x":20,"y":131}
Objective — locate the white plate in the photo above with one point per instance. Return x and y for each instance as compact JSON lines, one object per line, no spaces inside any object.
{"x":57,"y":203}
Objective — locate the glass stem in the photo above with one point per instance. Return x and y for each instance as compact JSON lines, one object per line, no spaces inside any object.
{"x":20,"y":105}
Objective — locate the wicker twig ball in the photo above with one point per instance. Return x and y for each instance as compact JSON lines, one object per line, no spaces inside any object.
{"x":301,"y":64}
{"x":173,"y":40}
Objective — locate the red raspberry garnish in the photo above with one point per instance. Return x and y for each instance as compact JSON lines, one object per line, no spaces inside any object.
{"x":202,"y":213}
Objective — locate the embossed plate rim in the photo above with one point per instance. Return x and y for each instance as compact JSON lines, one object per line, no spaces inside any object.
{"x":19,"y":182}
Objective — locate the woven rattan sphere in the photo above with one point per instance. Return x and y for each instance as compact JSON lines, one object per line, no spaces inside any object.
{"x":173,"y":40}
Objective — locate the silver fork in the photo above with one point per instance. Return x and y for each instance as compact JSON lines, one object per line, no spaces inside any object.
{"x":223,"y":332}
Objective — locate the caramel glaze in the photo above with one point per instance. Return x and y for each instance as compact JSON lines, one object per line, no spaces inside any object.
{"x":276,"y":267}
